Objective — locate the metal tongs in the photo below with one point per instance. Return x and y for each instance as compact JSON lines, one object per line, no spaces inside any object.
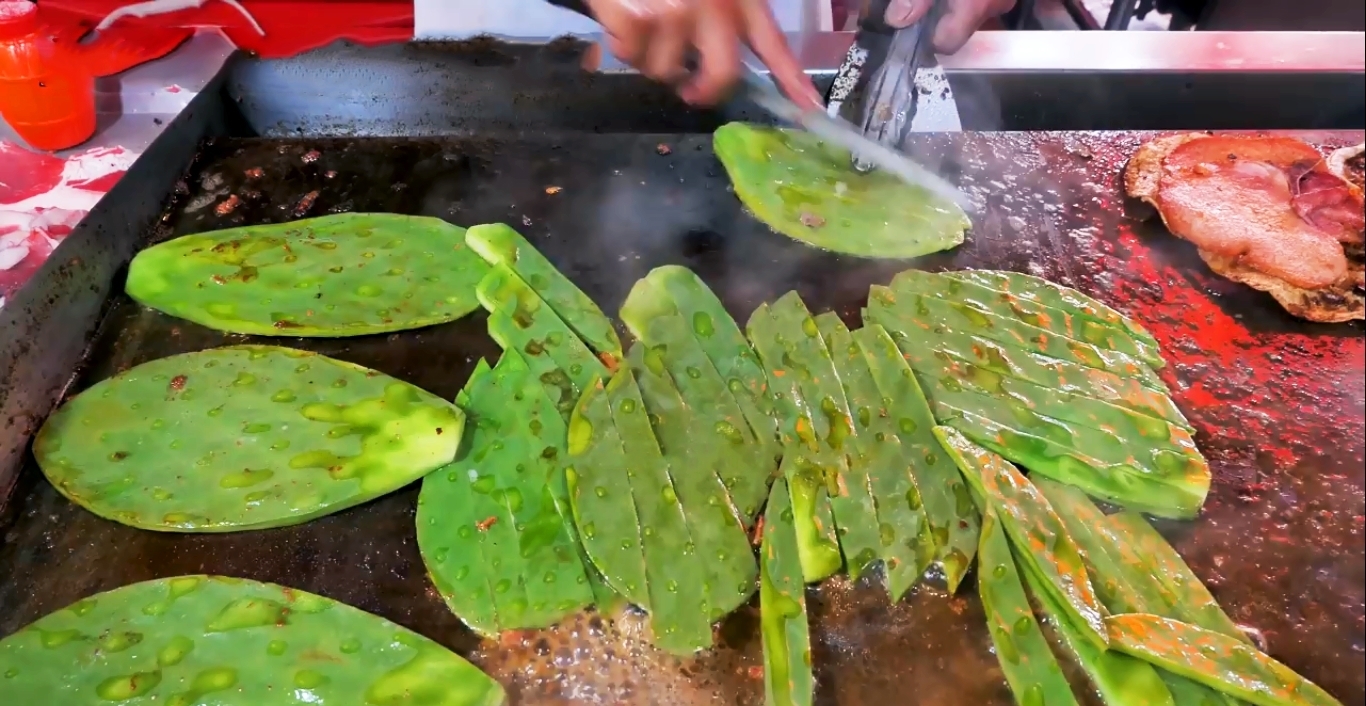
{"x":906,"y":90}
{"x":882,"y":153}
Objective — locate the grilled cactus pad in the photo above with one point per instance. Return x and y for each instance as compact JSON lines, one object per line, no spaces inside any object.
{"x":807,"y":190}
{"x":345,"y":275}
{"x":211,"y":639}
{"x":242,"y":437}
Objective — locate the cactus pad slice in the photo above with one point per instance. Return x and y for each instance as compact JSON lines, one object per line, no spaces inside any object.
{"x":1067,"y":378}
{"x":634,"y":523}
{"x":212,"y":639}
{"x":806,"y":190}
{"x":694,"y":452}
{"x":880,"y":466}
{"x":672,"y":288}
{"x":1055,"y":295}
{"x":1161,"y":449}
{"x":1119,"y":678}
{"x":788,"y":680}
{"x":932,"y":315}
{"x":242,"y":437}
{"x":1121,"y":483}
{"x":499,"y":244}
{"x":953,"y":519}
{"x":344,"y":275}
{"x":520,"y":320}
{"x":488,"y":526}
{"x":1021,"y":648}
{"x":800,"y":371}
{"x":1214,"y":659}
{"x":600,"y":496}
{"x":1064,"y":322}
{"x":1039,"y":536}
{"x":744,"y":463}
{"x":675,"y":563}
{"x":1125,"y":581}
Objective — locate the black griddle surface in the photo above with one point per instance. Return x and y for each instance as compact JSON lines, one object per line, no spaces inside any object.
{"x":1280,"y":542}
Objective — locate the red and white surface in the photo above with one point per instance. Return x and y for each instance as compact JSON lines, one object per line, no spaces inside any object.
{"x":42,"y":198}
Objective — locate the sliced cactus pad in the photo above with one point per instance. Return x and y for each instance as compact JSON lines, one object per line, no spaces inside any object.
{"x":232,"y":642}
{"x":784,"y":631}
{"x":242,"y":437}
{"x":488,"y":527}
{"x":808,"y":190}
{"x":657,"y":525}
{"x":344,"y":275}
{"x":1049,"y":379}
{"x":501,"y":245}
{"x":743,"y":461}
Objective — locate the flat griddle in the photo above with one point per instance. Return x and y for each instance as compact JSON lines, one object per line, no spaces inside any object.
{"x":1278,"y":403}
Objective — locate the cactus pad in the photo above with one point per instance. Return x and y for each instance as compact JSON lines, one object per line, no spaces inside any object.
{"x":788,"y":680}
{"x":344,"y":275}
{"x":210,"y":639}
{"x":655,"y":521}
{"x":807,"y":190}
{"x":487,"y":525}
{"x":242,"y":437}
{"x":674,"y":289}
{"x":501,"y":245}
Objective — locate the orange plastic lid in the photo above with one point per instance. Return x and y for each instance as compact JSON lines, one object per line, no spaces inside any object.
{"x":17,"y":19}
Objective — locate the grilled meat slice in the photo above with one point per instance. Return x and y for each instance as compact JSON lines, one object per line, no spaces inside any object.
{"x":1265,"y":211}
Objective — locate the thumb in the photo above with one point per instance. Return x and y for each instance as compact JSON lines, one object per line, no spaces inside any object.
{"x":961,"y":20}
{"x":904,"y":13}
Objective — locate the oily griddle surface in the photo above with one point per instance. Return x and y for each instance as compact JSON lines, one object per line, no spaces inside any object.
{"x":1278,"y":404}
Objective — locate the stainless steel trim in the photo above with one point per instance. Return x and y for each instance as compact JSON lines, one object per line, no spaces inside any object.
{"x":1093,"y":52}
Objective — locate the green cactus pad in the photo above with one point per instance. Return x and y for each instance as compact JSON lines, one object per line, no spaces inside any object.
{"x":211,"y":639}
{"x":927,"y":315}
{"x":810,"y":466}
{"x":674,"y":289}
{"x":242,"y":437}
{"x":809,"y":191}
{"x":501,"y":245}
{"x":653,"y":514}
{"x":345,"y":275}
{"x":1042,"y":544}
{"x":694,"y":452}
{"x":799,"y":353}
{"x":743,"y":463}
{"x":1048,"y":293}
{"x":953,"y":519}
{"x":1071,"y":323}
{"x":520,"y":320}
{"x":488,"y":526}
{"x":906,"y":542}
{"x":788,"y":680}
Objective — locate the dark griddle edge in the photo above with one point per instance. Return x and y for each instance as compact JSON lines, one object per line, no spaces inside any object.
{"x":46,"y":326}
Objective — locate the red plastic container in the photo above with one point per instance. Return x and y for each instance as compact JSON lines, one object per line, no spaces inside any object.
{"x":46,"y":95}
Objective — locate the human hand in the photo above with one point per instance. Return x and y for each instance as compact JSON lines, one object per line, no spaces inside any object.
{"x":655,"y":35}
{"x":961,"y":18}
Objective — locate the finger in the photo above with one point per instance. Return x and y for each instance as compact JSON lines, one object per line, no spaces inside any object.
{"x":627,"y":26}
{"x":959,"y":22}
{"x":767,"y":40}
{"x":717,"y":37}
{"x":904,"y":13}
{"x":673,"y":28}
